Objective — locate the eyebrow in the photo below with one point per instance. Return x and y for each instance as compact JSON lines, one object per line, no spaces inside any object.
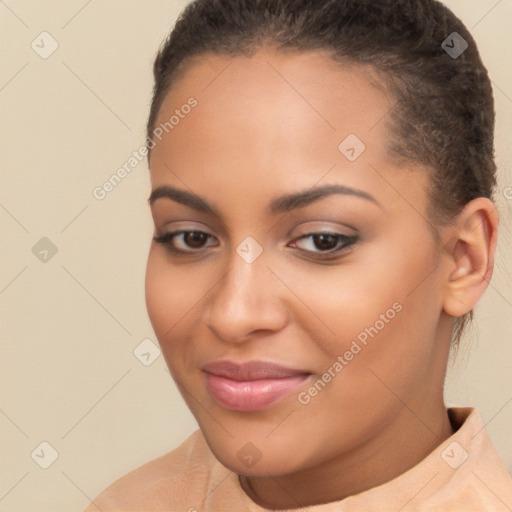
{"x":281,"y":204}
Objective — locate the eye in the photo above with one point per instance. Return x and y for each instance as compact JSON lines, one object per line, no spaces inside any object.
{"x":328,"y":243}
{"x":190,"y":241}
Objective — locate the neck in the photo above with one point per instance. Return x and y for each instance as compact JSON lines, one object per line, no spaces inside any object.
{"x":401,"y":445}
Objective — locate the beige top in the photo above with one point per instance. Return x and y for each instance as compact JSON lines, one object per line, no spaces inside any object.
{"x":465,"y":473}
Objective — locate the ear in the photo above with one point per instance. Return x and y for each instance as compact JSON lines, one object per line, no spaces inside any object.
{"x":470,"y":251}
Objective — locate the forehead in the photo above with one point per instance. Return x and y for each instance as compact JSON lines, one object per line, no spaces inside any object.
{"x":271,"y":120}
{"x":295,"y":97}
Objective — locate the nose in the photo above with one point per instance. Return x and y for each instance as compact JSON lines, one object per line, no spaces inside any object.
{"x":245,"y":301}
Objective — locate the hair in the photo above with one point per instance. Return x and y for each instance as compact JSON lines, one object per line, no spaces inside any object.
{"x":443,"y":117}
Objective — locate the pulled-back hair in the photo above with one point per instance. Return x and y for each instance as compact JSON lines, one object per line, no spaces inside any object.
{"x":443,"y":116}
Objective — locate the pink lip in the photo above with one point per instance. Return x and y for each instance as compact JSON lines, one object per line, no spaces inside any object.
{"x":251,"y":386}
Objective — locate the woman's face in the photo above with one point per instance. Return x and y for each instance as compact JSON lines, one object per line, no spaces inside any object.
{"x":355,"y":316}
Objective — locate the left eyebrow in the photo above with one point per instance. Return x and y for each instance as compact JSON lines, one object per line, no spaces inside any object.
{"x":281,"y":204}
{"x":301,"y":199}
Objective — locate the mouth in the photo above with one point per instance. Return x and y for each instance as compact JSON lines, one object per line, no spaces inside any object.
{"x":251,"y":386}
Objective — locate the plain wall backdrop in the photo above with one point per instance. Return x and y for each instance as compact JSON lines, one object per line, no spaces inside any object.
{"x":71,"y":319}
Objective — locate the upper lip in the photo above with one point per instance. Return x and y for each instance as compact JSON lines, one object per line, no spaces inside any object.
{"x":251,"y":370}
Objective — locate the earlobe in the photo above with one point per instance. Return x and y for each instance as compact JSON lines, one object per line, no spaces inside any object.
{"x":470,"y":256}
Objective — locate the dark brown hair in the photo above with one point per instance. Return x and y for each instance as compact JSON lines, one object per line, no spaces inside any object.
{"x":443,"y":117}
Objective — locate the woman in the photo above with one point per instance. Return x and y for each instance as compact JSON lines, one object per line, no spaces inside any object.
{"x":322,"y":177}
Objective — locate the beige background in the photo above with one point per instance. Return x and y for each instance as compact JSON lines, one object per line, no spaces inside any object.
{"x":70,"y":325}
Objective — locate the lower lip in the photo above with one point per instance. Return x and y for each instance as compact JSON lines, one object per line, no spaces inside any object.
{"x":251,"y":395}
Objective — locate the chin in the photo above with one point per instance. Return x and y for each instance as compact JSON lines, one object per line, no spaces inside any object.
{"x":270,"y":467}
{"x":254,"y":458}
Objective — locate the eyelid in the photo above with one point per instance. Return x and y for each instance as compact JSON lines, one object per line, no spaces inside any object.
{"x":316,"y":227}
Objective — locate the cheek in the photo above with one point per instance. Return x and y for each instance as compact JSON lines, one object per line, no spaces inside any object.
{"x":380,"y":308}
{"x":338,"y":303}
{"x":171,"y":292}
{"x":384,"y":336}
{"x":159,"y":295}
{"x":171,"y":299}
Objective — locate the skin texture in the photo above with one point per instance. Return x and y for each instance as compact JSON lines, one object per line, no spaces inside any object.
{"x":263,"y":127}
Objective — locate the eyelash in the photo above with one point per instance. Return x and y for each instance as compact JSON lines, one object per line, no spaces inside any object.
{"x":346,"y":241}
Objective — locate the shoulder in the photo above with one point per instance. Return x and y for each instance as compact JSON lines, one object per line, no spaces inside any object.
{"x":161,"y":480}
{"x":476,"y":477}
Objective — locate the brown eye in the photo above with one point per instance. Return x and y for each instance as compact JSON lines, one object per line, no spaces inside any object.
{"x":325,"y":241}
{"x":326,"y":244}
{"x":195,"y":239}
{"x":182,"y":242}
